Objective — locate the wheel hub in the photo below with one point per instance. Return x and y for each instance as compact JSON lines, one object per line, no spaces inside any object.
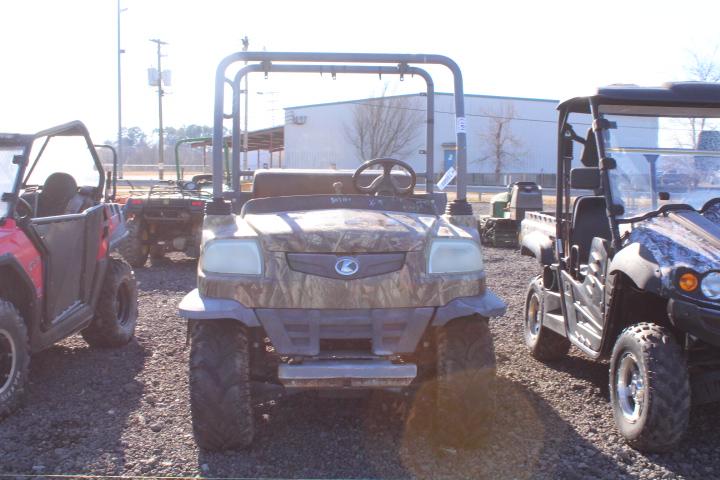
{"x":533,"y":316}
{"x":7,"y":360}
{"x":630,"y":388}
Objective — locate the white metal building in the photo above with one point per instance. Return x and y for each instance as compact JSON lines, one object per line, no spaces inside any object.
{"x":316,"y":136}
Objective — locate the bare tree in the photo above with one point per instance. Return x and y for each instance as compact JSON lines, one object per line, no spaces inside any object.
{"x":702,"y":68}
{"x":385,"y":127}
{"x":500,"y":146}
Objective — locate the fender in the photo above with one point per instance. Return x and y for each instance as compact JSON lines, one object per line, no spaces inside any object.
{"x":197,"y":307}
{"x":23,"y":294}
{"x":487,"y":305}
{"x":636,"y":261}
{"x":538,"y":245}
{"x":117,"y":228}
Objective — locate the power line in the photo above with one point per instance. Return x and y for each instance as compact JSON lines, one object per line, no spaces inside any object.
{"x":524,"y":119}
{"x":423,"y":110}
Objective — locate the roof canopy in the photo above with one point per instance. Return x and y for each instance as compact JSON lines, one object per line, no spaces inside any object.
{"x":696,"y":94}
{"x":268,"y":139}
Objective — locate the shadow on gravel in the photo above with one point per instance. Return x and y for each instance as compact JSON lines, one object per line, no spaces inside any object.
{"x":701,"y":439}
{"x":697,"y":455}
{"x":78,"y":404}
{"x":307,"y":436}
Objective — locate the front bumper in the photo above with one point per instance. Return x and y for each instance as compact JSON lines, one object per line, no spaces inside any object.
{"x":355,"y":374}
{"x":703,"y":323}
{"x":296,"y":331}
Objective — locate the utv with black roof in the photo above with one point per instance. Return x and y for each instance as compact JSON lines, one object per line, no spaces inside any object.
{"x":338,"y":280}
{"x":631,"y":267}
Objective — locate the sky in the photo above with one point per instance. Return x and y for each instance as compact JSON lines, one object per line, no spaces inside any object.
{"x":60,"y":57}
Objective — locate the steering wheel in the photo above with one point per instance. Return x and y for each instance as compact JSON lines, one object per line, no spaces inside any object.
{"x":25,"y":206}
{"x":385,"y":184}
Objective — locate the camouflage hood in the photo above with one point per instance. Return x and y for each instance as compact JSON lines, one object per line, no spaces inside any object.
{"x":682,"y":239}
{"x":342,"y":231}
{"x":333,"y":233}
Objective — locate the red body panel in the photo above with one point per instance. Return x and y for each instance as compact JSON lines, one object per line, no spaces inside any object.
{"x":110,"y":224}
{"x":13,"y":241}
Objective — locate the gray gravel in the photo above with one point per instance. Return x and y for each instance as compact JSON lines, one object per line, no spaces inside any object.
{"x":125,"y":412}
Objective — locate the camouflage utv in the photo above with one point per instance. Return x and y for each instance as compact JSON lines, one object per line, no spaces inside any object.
{"x":338,"y":280}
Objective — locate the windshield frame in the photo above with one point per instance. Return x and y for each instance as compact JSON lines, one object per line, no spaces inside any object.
{"x":652,"y":155}
{"x":22,"y":144}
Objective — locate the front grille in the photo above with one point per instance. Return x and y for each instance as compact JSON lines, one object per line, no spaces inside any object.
{"x":380,"y":331}
{"x":325,"y":264}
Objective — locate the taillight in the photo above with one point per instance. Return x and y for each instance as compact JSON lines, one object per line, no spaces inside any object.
{"x":196,"y":203}
{"x":136,"y":201}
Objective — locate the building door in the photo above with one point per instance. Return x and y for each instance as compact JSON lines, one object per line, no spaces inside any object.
{"x":449,"y":156}
{"x":449,"y":160}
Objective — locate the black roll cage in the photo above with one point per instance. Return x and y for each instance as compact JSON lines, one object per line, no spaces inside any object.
{"x":681,"y":94}
{"x":339,"y":65}
{"x":71,"y":129}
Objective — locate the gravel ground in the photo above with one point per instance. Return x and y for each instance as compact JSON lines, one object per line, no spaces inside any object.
{"x":125,"y":412}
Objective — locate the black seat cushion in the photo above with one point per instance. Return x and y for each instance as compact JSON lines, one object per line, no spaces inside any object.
{"x":55,"y":195}
{"x":589,"y":221}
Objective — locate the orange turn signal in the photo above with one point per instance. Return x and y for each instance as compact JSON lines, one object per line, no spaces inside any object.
{"x":688,"y":282}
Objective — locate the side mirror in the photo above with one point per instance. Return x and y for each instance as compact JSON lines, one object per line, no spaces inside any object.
{"x":586,"y":178}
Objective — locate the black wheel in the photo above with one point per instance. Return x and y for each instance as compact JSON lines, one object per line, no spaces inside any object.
{"x":485,"y":229}
{"x":14,"y":358}
{"x":193,"y":250}
{"x":465,"y":399}
{"x":220,"y":399}
{"x":135,"y":248}
{"x":649,"y":387}
{"x":544,"y":344}
{"x":117,"y":310}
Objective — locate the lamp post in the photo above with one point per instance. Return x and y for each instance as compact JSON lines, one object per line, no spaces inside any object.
{"x":120,"y":51}
{"x":161,"y":145}
{"x":246,"y":44}
{"x":272,"y":103}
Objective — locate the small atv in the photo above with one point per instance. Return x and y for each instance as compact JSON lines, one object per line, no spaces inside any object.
{"x":58,"y":275}
{"x":166,"y":217}
{"x":337,"y":280}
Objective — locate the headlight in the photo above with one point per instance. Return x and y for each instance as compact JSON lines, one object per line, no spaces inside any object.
{"x":241,"y":257}
{"x":454,"y":256}
{"x":710,"y":286}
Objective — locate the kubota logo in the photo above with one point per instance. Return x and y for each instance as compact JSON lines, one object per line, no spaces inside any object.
{"x":347,"y":266}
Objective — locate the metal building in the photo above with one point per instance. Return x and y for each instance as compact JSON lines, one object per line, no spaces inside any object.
{"x":514,"y":135}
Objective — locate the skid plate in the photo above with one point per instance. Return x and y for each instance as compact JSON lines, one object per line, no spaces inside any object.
{"x":347,"y":374}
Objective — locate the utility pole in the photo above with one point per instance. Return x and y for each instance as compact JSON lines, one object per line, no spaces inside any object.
{"x":120,"y":51}
{"x":161,"y":145}
{"x":246,"y":44}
